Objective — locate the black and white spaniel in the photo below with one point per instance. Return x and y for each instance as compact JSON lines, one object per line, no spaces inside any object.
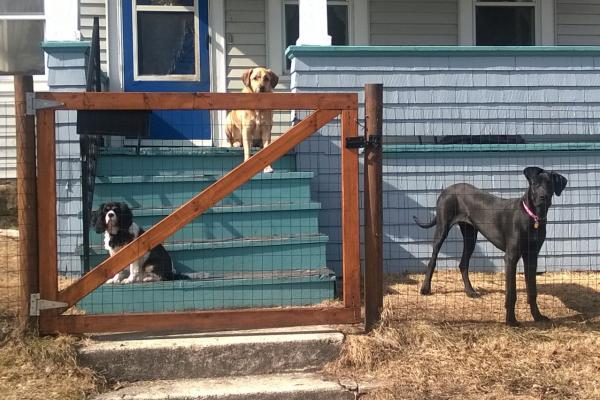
{"x":115,"y":220}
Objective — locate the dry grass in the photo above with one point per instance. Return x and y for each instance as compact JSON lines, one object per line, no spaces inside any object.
{"x":32,"y":367}
{"x":447,"y":346}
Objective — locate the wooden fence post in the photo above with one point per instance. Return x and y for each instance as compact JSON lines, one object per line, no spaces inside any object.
{"x":26,"y":197}
{"x":373,"y":204}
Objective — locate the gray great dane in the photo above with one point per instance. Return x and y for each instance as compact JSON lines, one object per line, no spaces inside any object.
{"x":515,"y":226}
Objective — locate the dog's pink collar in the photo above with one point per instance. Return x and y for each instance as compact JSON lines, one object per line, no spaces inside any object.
{"x":536,"y":219}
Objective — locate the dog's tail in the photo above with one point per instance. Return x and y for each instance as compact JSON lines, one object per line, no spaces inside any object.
{"x":427,"y":224}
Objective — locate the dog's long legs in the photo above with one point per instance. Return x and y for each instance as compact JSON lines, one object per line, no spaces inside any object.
{"x":530,"y":269}
{"x":469,"y":238}
{"x":247,"y":129}
{"x":441,"y":232}
{"x":265,"y":133}
{"x":510,"y":259}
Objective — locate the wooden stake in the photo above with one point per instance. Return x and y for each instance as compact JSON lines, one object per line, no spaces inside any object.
{"x":373,"y":205}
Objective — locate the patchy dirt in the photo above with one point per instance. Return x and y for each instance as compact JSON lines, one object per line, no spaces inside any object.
{"x":447,"y":346}
{"x":34,"y":368}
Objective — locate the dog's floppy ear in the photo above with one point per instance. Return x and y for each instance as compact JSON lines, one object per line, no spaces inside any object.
{"x":126,"y":217}
{"x":274,"y":78}
{"x":559,"y":182}
{"x":98,"y":215}
{"x":246,"y":77}
{"x":532,"y":172}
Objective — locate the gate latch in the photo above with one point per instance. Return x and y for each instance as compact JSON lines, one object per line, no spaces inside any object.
{"x":36,"y":304}
{"x":359,"y":142}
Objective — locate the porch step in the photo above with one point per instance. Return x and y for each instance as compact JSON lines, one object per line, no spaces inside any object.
{"x":292,"y":288}
{"x":237,"y":221}
{"x":297,"y":386}
{"x":209,"y":355}
{"x":241,"y":255}
{"x":161,"y":160}
{"x":164,"y":191}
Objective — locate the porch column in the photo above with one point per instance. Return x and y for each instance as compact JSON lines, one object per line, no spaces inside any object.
{"x":313,"y":23}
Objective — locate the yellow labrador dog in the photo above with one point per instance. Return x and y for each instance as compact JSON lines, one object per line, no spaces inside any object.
{"x":252,"y":127}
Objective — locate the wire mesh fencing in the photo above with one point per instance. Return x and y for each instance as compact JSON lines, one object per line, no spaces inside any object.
{"x":429,"y":150}
{"x":10,"y":280}
{"x":273,"y":242}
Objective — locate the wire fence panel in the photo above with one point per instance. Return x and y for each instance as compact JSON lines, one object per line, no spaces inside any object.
{"x":10,"y":282}
{"x":427,"y":150}
{"x":262,"y":246}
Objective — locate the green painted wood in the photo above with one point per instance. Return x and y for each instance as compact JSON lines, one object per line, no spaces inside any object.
{"x":207,"y":294}
{"x":439,"y":51}
{"x":481,"y":148}
{"x":392,"y":151}
{"x":165,"y":161}
{"x":172,"y":191}
{"x":242,"y":255}
{"x":234,"y":222}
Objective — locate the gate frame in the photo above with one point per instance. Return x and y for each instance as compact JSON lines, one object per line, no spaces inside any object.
{"x":326,"y":106}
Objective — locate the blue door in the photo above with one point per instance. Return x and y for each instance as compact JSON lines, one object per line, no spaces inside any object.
{"x":165,"y":45}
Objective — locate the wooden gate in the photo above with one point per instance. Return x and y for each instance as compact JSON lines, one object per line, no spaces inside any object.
{"x":326,"y":107}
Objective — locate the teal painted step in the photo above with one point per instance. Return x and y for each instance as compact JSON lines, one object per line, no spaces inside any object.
{"x":241,"y":255}
{"x":209,"y":294}
{"x":165,"y":161}
{"x":172,"y":191}
{"x":234,"y":222}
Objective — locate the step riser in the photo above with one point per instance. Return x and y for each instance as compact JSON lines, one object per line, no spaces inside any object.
{"x":173,"y":194}
{"x":223,"y":226}
{"x":244,"y":259}
{"x":233,"y":358}
{"x":166,"y":165}
{"x":143,"y":298}
{"x":331,"y":394}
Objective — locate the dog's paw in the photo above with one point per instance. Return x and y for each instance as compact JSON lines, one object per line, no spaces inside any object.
{"x":268,"y":169}
{"x":473,"y":294}
{"x":513,"y":323}
{"x":236,"y":144}
{"x":129,"y":279}
{"x":425,"y":291}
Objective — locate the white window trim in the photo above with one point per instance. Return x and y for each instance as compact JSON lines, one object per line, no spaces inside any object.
{"x":358,"y":31}
{"x":544,"y":20}
{"x":174,"y":77}
{"x":218,"y":65}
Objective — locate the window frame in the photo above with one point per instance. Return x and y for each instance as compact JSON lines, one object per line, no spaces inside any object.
{"x":134,"y":29}
{"x":535,"y":4}
{"x":349,"y":33}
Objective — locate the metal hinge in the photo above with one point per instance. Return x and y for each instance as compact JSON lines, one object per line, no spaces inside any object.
{"x":38,"y":104}
{"x":36,"y":304}
{"x":359,"y":142}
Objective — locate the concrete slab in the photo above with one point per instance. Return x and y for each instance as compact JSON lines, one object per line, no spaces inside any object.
{"x":143,"y":358}
{"x":299,"y":386}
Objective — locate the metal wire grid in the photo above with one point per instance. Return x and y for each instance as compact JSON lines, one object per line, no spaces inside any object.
{"x":274,"y":242}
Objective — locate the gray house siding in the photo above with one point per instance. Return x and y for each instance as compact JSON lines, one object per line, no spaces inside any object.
{"x":413,"y":22}
{"x":67,"y":73}
{"x":245,"y":35}
{"x":88,"y":9}
{"x":427,"y":94}
{"x":577,"y":22}
{"x":8,"y":150}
